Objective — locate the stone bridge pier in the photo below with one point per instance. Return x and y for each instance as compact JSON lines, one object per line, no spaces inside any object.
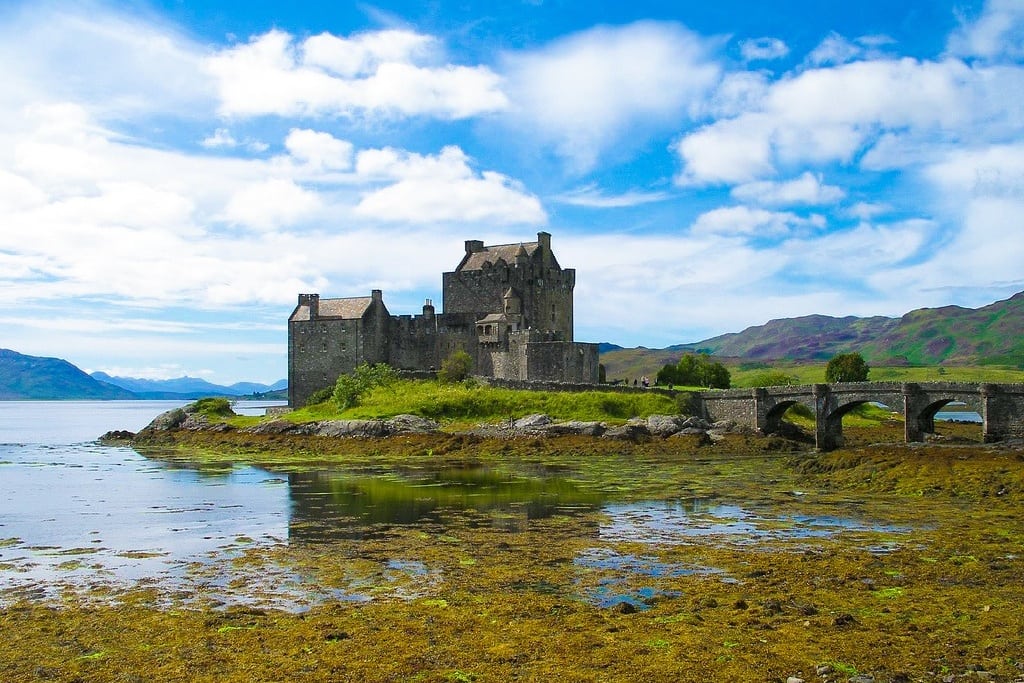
{"x":1001,"y":406}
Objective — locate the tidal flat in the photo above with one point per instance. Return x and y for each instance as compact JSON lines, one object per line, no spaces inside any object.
{"x":454,"y":558}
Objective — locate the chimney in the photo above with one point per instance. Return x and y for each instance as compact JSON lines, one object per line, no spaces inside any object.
{"x":377,"y":295}
{"x":544,"y":239}
{"x":428,"y":310}
{"x":313,"y":301}
{"x":474,"y":246}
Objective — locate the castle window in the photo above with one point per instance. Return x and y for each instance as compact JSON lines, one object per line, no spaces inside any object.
{"x":552,"y":313}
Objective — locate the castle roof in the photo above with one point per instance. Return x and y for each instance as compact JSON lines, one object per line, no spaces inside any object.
{"x":350,"y":308}
{"x":504,"y":252}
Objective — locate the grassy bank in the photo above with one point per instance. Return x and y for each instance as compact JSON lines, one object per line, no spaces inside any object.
{"x":463,"y":403}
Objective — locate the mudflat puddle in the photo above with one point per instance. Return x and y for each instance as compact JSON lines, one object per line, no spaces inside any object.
{"x":93,"y":519}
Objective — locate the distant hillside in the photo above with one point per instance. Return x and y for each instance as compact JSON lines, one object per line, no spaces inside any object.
{"x":990,"y":335}
{"x":186,"y":387}
{"x":31,"y":377}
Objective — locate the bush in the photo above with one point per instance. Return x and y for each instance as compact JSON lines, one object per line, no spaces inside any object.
{"x":349,"y":388}
{"x":321,"y":396}
{"x":455,"y":367}
{"x":846,"y":367}
{"x":214,"y":407}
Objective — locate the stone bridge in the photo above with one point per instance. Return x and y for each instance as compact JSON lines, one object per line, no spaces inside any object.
{"x":1001,"y":406}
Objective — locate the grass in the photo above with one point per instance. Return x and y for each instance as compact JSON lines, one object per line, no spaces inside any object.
{"x":463,"y":403}
{"x":815,"y":373}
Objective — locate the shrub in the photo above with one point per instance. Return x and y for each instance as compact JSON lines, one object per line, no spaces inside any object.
{"x":349,"y":388}
{"x":455,"y":367}
{"x":321,"y":396}
{"x":214,"y":407}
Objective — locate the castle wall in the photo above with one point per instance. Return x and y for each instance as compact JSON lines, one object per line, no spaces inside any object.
{"x":558,"y":361}
{"x":413,"y":342}
{"x":319,"y":351}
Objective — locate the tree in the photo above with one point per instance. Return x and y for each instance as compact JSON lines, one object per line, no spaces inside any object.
{"x":696,"y":370}
{"x":455,"y":367}
{"x":846,"y":367}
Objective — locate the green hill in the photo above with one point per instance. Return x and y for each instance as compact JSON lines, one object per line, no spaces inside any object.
{"x":951,"y":335}
{"x":32,"y":377}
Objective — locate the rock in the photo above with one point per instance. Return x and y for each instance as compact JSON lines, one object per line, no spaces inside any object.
{"x":861,"y":678}
{"x":695,"y":422}
{"x":629,"y":432}
{"x":843,"y":620}
{"x":664,"y":425}
{"x":353,"y":428}
{"x":117,"y":435}
{"x":531,"y":422}
{"x":724,"y":425}
{"x":794,"y":679}
{"x":576,"y":427}
{"x":172,"y":419}
{"x":824,"y":670}
{"x":716,"y":434}
{"x":625,"y":607}
{"x":272,"y":427}
{"x":411,"y":424}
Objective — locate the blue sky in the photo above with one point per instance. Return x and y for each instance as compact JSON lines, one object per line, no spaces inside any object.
{"x":173,"y":174}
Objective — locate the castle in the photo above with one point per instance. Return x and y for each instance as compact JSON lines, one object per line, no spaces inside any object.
{"x":508,"y":306}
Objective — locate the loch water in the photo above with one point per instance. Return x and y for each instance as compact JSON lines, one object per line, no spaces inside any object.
{"x":79,"y":515}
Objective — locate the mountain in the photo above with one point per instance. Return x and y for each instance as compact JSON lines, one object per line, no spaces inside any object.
{"x":186,"y":387}
{"x":990,"y":335}
{"x":32,"y":377}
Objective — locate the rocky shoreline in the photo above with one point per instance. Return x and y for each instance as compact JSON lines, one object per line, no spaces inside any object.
{"x":536,"y":425}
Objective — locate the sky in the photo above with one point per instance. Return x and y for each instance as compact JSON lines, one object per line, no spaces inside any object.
{"x":173,"y":174}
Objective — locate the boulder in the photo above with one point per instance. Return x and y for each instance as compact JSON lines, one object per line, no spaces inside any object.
{"x":576,"y":427}
{"x":353,"y":428}
{"x":532,"y":422}
{"x":664,"y":425}
{"x":629,"y":432}
{"x":411,"y":424}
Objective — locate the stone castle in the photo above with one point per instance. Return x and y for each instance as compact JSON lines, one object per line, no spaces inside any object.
{"x":508,"y":306}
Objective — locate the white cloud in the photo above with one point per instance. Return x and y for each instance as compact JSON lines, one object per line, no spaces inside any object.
{"x":730,"y":151}
{"x":830,"y":115}
{"x":993,"y":171}
{"x":220,"y":138}
{"x":834,"y":49}
{"x":442,"y":188}
{"x":997,"y":33}
{"x":759,"y":49}
{"x":320,"y":150}
{"x":583,"y":93}
{"x":592,"y":197}
{"x":271,"y":204}
{"x":753,"y":222}
{"x":325,"y":75}
{"x":120,"y":64}
{"x":805,"y":189}
{"x":363,"y":54}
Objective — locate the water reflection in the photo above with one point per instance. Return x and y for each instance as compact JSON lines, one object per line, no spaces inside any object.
{"x":337,"y":505}
{"x":682,"y":521}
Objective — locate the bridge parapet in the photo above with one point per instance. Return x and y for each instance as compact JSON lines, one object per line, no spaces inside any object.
{"x":1001,"y":406}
